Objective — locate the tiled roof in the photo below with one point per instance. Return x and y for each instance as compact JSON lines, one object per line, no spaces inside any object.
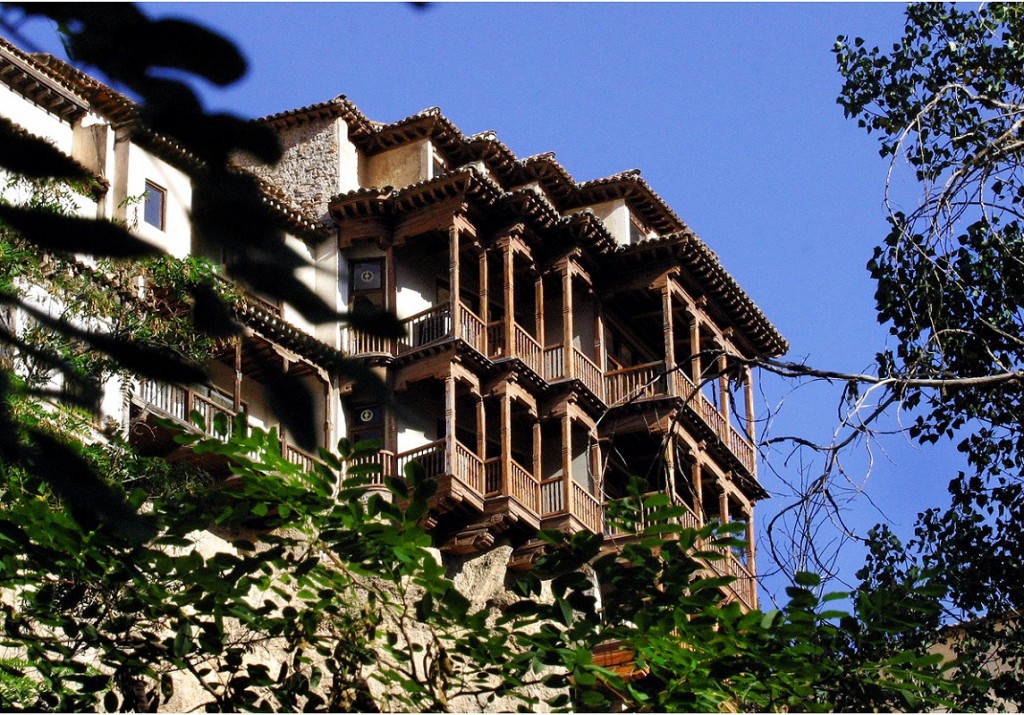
{"x":703,"y":264}
{"x":89,"y":93}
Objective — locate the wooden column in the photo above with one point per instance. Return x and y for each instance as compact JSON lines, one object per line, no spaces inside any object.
{"x":328,"y":414}
{"x":390,"y":291}
{"x":602,"y":360}
{"x":481,"y":428}
{"x":723,"y":504}
{"x":670,"y":467}
{"x":538,"y":292}
{"x":698,"y":487}
{"x":537,"y":454}
{"x":238,"y":377}
{"x":567,"y":463}
{"x":751,"y":545}
{"x":453,"y":280}
{"x":510,"y":315}
{"x":695,"y":362}
{"x":449,"y":422}
{"x":723,"y":387}
{"x":485,"y":308}
{"x":506,"y":442}
{"x":670,"y":338}
{"x":567,"y":320}
{"x":748,"y":391}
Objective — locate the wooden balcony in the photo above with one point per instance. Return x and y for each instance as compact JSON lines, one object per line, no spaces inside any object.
{"x":582,"y":506}
{"x":516,"y":482}
{"x":460,"y":473}
{"x":359,"y":344}
{"x":177,"y":402}
{"x":434,"y":325}
{"x":737,"y":443}
{"x":688,"y":520}
{"x":639,"y":382}
{"x":744,"y":588}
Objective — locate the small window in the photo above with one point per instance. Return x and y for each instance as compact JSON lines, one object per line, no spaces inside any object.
{"x":155,"y":202}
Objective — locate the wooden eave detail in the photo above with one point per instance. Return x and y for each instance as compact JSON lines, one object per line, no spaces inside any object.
{"x":702,"y":267}
{"x":22,"y":73}
{"x":279,"y":331}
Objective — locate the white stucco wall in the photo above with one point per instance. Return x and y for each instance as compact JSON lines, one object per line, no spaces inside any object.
{"x":135,"y":166}
{"x":35,"y":119}
{"x":615,"y":216}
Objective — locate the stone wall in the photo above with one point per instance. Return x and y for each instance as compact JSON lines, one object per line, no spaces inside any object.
{"x":309,"y":169}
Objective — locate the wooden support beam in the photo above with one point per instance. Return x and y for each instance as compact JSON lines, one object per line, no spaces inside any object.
{"x":509,"y":288}
{"x":567,"y":320}
{"x":748,"y":390}
{"x":695,"y":368}
{"x":667,"y":327}
{"x":723,"y":386}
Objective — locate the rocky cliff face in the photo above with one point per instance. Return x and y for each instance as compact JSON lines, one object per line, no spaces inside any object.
{"x":482,"y":578}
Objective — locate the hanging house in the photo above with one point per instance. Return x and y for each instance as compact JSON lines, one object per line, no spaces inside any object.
{"x":560,"y":336}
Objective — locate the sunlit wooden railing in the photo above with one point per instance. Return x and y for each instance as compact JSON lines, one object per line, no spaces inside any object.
{"x":354,"y":342}
{"x":587,"y":372}
{"x":466,"y":467}
{"x":745,"y":585}
{"x":554,"y":362}
{"x":688,"y":519}
{"x":431,"y":457}
{"x":523,"y":486}
{"x":528,"y":350}
{"x":635,"y":383}
{"x":469,"y":468}
{"x":737,"y":442}
{"x":586,"y":507}
{"x":299,"y":457}
{"x":179,"y":402}
{"x":582,"y":504}
{"x":472,"y":329}
{"x":428,"y":326}
{"x":385,"y":461}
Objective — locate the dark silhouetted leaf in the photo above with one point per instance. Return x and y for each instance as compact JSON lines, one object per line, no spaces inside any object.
{"x":91,"y":502}
{"x":375,"y":321}
{"x":24,"y":154}
{"x":289,"y":398}
{"x":210,"y":314}
{"x":69,"y":234}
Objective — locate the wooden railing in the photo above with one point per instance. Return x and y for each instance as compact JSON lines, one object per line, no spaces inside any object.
{"x":496,"y":340}
{"x":688,"y":519}
{"x":528,"y":350}
{"x":635,"y":383}
{"x":467,"y":467}
{"x":299,"y":457}
{"x":354,"y":342}
{"x":428,"y":326}
{"x":587,"y":372}
{"x":384,"y":459}
{"x":471,"y":329}
{"x":582,"y":504}
{"x":552,"y":496}
{"x":492,"y":477}
{"x":523,"y":486}
{"x":178,"y":403}
{"x":430,"y":456}
{"x":586,"y":507}
{"x":745,"y":585}
{"x":737,"y":442}
{"x":554,"y":362}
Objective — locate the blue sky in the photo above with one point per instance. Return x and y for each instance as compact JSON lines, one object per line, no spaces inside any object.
{"x":728,"y":109}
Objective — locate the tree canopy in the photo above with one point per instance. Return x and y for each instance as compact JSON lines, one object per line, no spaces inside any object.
{"x":107,"y":607}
